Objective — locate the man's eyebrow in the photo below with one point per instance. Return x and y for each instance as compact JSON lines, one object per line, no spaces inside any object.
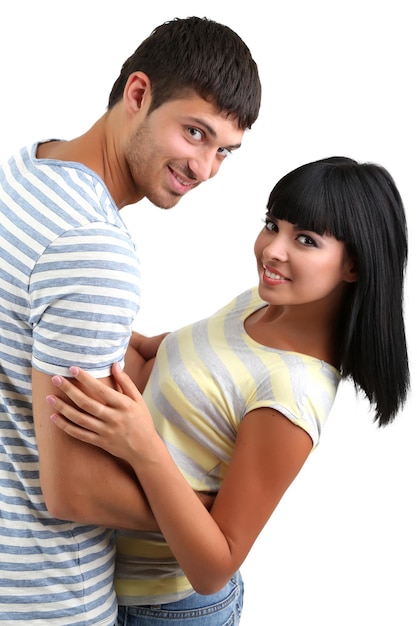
{"x":212,"y":132}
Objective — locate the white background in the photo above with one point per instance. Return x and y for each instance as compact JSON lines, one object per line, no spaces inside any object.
{"x":338,"y":78}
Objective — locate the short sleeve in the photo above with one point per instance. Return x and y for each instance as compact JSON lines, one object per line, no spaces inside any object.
{"x":303,"y":390}
{"x":84,"y":293}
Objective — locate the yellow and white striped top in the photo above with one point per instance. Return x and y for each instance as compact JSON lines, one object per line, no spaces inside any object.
{"x":206,"y":378}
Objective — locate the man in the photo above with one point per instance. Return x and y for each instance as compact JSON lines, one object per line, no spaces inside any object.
{"x":69,"y":292}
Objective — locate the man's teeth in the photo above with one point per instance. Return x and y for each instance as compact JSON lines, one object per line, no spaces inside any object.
{"x":273,"y":276}
{"x":183,"y":182}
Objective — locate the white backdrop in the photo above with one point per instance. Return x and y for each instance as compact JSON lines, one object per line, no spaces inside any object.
{"x":338,"y":78}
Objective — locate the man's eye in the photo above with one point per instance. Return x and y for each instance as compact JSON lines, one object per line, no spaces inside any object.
{"x":195,"y":133}
{"x":224,"y":152}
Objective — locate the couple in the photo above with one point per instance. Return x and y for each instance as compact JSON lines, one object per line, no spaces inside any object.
{"x":235,"y":403}
{"x":248,"y":390}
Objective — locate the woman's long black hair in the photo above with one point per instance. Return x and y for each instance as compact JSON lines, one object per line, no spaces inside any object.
{"x":359,"y":204}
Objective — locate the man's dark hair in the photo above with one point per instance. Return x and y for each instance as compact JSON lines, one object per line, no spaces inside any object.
{"x":201,"y":55}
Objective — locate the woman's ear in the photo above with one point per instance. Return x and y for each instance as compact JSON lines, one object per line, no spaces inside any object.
{"x":137,"y":92}
{"x":351,"y":273}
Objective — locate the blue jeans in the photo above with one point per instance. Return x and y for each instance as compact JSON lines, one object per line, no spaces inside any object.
{"x":223,"y":608}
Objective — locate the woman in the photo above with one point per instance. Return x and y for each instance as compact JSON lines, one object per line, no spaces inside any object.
{"x":238,"y":400}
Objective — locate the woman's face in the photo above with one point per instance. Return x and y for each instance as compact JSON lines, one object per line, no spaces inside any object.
{"x":297,"y":266}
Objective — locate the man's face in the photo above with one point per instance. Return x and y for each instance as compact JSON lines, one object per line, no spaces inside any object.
{"x":178,"y":146}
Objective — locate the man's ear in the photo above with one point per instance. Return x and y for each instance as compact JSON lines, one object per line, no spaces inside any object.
{"x":137,"y":92}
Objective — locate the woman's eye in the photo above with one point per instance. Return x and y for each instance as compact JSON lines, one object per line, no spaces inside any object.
{"x":306,"y":240}
{"x":270,"y":225}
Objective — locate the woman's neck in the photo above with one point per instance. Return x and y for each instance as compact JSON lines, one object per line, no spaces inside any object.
{"x":296,"y":330}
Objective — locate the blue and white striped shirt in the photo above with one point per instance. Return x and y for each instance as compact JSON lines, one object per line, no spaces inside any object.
{"x":69,"y":292}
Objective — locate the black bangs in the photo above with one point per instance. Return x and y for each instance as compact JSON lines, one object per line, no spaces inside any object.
{"x":312,"y":197}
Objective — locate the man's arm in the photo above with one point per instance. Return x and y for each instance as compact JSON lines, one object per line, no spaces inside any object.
{"x":80,"y":482}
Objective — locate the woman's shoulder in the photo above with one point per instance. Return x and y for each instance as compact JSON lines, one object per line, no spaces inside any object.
{"x":244,"y":303}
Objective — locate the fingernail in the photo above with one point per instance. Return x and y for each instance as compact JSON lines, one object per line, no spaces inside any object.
{"x":74,"y":370}
{"x":57,"y":380}
{"x":51,"y":400}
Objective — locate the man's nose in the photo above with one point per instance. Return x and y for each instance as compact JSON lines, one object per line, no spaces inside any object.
{"x":205,"y":165}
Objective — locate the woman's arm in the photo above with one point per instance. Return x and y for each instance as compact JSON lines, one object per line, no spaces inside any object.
{"x":210,"y":547}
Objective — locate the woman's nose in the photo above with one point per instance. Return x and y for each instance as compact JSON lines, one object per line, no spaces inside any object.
{"x":277,"y":248}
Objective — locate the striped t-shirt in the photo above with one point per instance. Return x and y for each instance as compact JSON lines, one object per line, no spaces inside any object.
{"x":69,"y":292}
{"x":206,"y":378}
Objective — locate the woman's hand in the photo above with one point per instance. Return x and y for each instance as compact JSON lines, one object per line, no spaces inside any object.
{"x":118,"y":422}
{"x":147,"y":347}
{"x":140,"y":357}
